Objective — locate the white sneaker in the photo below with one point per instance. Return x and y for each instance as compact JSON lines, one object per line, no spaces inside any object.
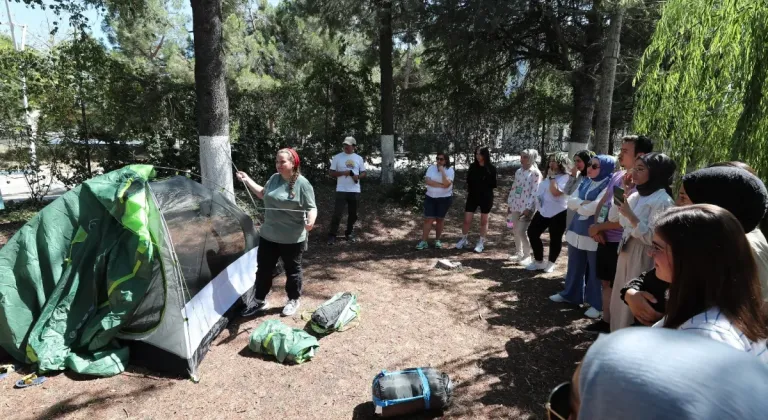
{"x":549,"y":267}
{"x":557,"y":298}
{"x":515,"y":258}
{"x":291,"y":307}
{"x":480,"y":245}
{"x":462,"y":243}
{"x":525,"y":261}
{"x":535,"y":266}
{"x":593,"y":313}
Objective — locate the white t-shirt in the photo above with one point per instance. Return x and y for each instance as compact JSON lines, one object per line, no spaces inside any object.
{"x":549,"y":205}
{"x":435,"y":175}
{"x":343,"y":163}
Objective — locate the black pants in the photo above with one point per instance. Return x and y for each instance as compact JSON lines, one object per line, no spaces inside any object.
{"x":348,"y":199}
{"x":539,"y":224}
{"x":266,"y":258}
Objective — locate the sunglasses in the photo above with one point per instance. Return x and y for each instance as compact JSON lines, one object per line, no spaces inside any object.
{"x":559,"y":402}
{"x":595,"y":166}
{"x":441,"y":159}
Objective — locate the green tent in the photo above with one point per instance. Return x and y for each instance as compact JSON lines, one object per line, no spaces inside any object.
{"x":124,"y":264}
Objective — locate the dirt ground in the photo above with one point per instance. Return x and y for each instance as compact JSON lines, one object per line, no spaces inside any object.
{"x":489,"y":326}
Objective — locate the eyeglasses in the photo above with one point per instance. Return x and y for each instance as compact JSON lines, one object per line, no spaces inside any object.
{"x":559,"y":402}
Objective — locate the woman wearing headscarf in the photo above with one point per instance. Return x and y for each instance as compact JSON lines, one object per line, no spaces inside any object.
{"x":551,"y":204}
{"x":578,"y":173}
{"x":650,"y":373}
{"x":522,"y":204}
{"x":739,"y":192}
{"x":652,"y":177}
{"x":582,"y":249}
{"x":730,"y":187}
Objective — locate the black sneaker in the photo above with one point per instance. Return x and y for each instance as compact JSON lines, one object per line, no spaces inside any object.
{"x":351,"y":238}
{"x":259,"y":306}
{"x":598,"y":327}
{"x":331,"y":240}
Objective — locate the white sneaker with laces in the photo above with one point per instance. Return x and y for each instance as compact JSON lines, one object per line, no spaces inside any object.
{"x":525,"y":261}
{"x":516,"y":258}
{"x":291,"y":307}
{"x":557,"y":298}
{"x":480,"y":245}
{"x":535,"y":266}
{"x":593,"y":313}
{"x":462,"y":243}
{"x":549,"y":267}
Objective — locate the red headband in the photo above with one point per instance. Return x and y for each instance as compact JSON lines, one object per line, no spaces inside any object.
{"x":296,"y":160}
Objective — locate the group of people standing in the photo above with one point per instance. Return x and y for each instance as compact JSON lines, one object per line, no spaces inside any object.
{"x":636,"y":256}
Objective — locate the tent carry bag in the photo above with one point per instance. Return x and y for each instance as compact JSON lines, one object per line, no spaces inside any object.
{"x":411,"y":391}
{"x":287,"y":344}
{"x":335,"y":314}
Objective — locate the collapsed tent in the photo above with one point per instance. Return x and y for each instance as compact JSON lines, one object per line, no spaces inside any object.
{"x":125,"y":265}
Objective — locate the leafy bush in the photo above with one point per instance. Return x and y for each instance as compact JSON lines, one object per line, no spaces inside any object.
{"x":409,"y":188}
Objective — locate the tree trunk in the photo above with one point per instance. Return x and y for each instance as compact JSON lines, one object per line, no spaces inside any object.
{"x":610,"y":60}
{"x":584,"y":81}
{"x":584,"y":87}
{"x":387,"y":105}
{"x":212,"y":102}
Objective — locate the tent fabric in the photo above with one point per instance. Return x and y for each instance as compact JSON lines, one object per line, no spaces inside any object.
{"x":66,"y":277}
{"x":335,"y":313}
{"x":112,"y":264}
{"x":287,"y":344}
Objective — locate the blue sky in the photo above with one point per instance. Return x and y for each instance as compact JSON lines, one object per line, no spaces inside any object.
{"x":38,"y":22}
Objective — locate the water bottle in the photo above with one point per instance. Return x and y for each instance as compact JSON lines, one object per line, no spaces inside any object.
{"x":510,"y":222}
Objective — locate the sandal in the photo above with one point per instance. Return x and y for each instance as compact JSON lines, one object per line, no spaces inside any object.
{"x":30,"y":380}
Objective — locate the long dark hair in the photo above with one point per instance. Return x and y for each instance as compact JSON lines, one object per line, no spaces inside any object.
{"x":447,"y":163}
{"x":712,"y":265}
{"x":486,"y":154}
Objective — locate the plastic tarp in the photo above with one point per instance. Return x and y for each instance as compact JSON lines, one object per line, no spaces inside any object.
{"x":76,"y":272}
{"x":285,"y":343}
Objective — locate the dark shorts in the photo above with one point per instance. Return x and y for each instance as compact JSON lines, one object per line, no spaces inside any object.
{"x":607,"y":258}
{"x":437,"y":208}
{"x":473,"y":202}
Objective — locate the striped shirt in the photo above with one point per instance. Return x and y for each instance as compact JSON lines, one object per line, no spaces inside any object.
{"x":715,"y":325}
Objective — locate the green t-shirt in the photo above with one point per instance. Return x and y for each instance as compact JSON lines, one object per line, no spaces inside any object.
{"x":286,"y":227}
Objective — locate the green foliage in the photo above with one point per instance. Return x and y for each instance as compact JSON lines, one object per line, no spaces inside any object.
{"x":703,"y":83}
{"x":409,"y":188}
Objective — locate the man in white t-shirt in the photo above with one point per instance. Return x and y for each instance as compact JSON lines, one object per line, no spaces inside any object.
{"x":348,"y":168}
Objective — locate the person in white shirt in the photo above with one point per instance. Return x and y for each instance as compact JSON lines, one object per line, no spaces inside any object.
{"x":439,"y":180}
{"x":703,"y":252}
{"x":348,"y":168}
{"x":652,"y":176}
{"x":551,"y":205}
{"x":521,"y":204}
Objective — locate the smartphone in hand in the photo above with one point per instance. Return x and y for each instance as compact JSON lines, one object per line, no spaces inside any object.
{"x":618,"y":195}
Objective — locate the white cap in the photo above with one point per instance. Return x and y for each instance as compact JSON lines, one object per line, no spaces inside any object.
{"x":350,"y":141}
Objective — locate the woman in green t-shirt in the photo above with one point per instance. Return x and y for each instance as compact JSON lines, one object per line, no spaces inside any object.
{"x":290,"y":213}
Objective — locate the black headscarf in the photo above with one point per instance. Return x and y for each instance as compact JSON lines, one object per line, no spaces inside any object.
{"x":585,"y":156}
{"x":734,"y":189}
{"x":661,"y":169}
